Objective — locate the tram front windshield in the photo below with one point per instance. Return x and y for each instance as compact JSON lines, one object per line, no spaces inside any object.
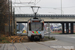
{"x":36,"y":26}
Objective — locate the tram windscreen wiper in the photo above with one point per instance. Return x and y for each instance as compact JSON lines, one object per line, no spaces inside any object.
{"x":38,"y":29}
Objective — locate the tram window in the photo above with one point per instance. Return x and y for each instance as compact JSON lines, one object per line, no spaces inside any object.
{"x":36,"y":26}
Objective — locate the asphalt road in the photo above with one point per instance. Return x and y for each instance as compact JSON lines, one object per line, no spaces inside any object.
{"x":68,"y":38}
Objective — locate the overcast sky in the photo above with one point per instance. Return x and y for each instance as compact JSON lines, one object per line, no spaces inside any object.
{"x":47,"y":7}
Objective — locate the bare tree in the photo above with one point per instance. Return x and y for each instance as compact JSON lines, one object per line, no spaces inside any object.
{"x":4,"y":15}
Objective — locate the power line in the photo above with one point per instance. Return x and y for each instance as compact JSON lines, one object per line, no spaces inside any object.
{"x":69,"y":7}
{"x":58,"y":7}
{"x":35,"y":2}
{"x":20,"y":1}
{"x":48,"y":7}
{"x":23,"y":2}
{"x":21,"y":10}
{"x":30,"y":1}
{"x":38,"y":1}
{"x":15,"y":0}
{"x":18,"y":10}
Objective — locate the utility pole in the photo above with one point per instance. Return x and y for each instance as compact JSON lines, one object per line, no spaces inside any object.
{"x":9,"y":16}
{"x":14,"y":19}
{"x":49,"y":29}
{"x":61,"y":7}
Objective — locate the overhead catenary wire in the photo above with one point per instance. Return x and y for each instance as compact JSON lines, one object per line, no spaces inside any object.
{"x":30,"y":1}
{"x":59,"y":7}
{"x":23,"y":2}
{"x":41,"y":7}
{"x":17,"y":9}
{"x":37,"y":1}
{"x":20,"y":1}
{"x":47,"y":7}
{"x":21,"y":10}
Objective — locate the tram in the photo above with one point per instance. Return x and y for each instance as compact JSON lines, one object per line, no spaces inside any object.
{"x":35,"y":28}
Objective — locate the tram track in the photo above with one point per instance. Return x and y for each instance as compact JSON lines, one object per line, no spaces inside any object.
{"x":23,"y":44}
{"x":46,"y":45}
{"x":15,"y":48}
